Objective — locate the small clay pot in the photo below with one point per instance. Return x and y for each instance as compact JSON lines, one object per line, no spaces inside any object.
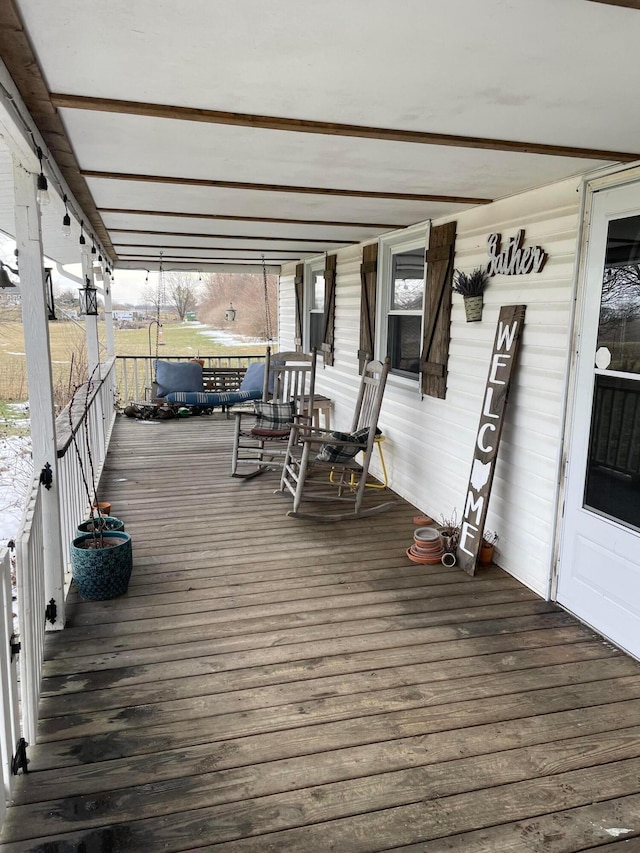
{"x":103,"y":507}
{"x":485,"y":557}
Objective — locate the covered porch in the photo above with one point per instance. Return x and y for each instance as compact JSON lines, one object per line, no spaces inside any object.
{"x":272,"y":684}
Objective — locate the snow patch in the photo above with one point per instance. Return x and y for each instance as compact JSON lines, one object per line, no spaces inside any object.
{"x":231,"y":339}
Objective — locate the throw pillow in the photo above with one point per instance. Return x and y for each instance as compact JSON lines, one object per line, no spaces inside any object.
{"x":253,"y":380}
{"x":337,"y":453}
{"x":273,"y":419}
{"x":178,"y":376}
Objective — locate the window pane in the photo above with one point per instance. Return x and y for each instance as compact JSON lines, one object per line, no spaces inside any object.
{"x":619,"y":328}
{"x":613,"y":473}
{"x":317,"y":294}
{"x":404,"y":341}
{"x":316,"y":325}
{"x":407,"y":281}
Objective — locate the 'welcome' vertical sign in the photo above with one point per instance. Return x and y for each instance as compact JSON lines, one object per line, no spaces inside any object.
{"x":503,"y":360}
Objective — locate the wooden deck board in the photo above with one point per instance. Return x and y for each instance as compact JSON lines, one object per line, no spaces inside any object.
{"x":270,"y":684}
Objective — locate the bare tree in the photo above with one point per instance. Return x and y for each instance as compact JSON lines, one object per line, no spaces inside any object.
{"x":182,"y":292}
{"x":247,"y":294}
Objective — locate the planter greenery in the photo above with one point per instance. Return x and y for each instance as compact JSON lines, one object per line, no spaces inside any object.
{"x":450,"y":532}
{"x":471,"y":287}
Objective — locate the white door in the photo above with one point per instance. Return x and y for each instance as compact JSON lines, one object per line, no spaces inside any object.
{"x":599,"y":569}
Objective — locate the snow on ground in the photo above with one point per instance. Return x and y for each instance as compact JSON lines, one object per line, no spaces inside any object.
{"x":231,"y":339}
{"x":15,"y":473}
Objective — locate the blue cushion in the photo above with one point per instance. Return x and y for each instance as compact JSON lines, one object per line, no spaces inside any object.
{"x":253,"y":380}
{"x":178,"y":376}
{"x":212,"y":398}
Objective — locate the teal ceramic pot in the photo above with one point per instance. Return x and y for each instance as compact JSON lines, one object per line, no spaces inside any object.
{"x":110,"y":522}
{"x":101,"y":573}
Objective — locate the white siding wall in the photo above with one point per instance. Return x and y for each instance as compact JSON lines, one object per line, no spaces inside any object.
{"x":429,"y":444}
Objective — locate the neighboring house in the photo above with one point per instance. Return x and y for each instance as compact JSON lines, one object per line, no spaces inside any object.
{"x":586,"y":558}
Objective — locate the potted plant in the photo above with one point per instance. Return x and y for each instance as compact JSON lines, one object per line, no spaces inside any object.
{"x":101,"y":558}
{"x":487,"y":546}
{"x":471,"y":287}
{"x":450,"y":532}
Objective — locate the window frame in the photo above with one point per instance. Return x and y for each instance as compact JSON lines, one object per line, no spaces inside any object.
{"x":409,"y":239}
{"x":311,"y":268}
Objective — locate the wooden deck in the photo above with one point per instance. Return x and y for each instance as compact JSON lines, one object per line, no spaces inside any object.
{"x":270,"y":684}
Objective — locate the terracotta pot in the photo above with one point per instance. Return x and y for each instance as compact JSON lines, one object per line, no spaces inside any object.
{"x":485,"y":558}
{"x":103,"y":507}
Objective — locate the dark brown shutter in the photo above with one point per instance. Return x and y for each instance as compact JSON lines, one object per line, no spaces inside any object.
{"x":299,"y":290}
{"x":329,"y":308}
{"x":368,"y":276}
{"x":435,"y":343}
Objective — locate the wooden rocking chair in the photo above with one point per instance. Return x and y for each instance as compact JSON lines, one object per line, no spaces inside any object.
{"x":261,"y":436}
{"x":320,"y":465}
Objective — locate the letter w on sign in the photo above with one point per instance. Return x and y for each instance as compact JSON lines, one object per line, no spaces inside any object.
{"x":501,"y":367}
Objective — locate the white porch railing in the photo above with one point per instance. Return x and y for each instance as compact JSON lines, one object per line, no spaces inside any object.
{"x":30,"y":569}
{"x":10,"y":729}
{"x":92,"y":419}
{"x":135,"y":372}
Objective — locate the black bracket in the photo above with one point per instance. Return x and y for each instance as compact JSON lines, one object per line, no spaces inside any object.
{"x":20,"y":760}
{"x":14,"y":645}
{"x":51,"y":611}
{"x":46,"y":476}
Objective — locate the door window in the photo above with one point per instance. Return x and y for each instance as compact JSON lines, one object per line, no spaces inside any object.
{"x":613,"y":467}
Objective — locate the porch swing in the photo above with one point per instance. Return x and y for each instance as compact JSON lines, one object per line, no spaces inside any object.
{"x":252,"y":385}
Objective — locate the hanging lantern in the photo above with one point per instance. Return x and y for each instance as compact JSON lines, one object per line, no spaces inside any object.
{"x":88,"y":299}
{"x":48,"y":292}
{"x":230,"y":315}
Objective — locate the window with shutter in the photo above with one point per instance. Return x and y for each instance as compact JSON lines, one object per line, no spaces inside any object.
{"x":401,"y":300}
{"x":436,"y":331}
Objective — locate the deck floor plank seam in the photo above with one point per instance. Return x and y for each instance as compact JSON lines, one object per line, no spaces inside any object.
{"x":275,"y":685}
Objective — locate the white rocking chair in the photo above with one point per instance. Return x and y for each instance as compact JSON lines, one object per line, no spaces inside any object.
{"x":320,"y":465}
{"x":261,"y":436}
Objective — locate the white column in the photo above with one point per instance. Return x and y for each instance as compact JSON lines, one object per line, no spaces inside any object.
{"x":91,"y":321}
{"x":108,"y":312}
{"x":41,"y":407}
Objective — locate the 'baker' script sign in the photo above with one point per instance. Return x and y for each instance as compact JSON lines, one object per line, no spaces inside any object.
{"x":503,"y":359}
{"x":514,"y":260}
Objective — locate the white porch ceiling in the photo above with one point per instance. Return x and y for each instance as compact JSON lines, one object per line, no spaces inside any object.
{"x":524,"y":71}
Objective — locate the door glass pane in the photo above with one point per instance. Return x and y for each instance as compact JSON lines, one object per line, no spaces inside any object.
{"x":407,"y":281}
{"x":619,"y":326}
{"x":613,"y":467}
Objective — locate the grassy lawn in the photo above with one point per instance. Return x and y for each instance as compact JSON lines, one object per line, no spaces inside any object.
{"x":68,"y":356}
{"x":14,"y":420}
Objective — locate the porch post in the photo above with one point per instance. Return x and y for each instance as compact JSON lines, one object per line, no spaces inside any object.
{"x":108,"y":312}
{"x":41,"y":406}
{"x":91,"y":321}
